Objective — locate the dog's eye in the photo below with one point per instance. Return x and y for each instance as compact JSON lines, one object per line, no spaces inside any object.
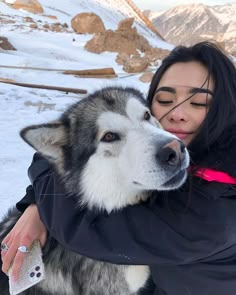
{"x":110,"y":137}
{"x":146,"y":116}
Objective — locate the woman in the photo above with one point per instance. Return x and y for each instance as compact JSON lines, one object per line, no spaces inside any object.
{"x":187,"y":236}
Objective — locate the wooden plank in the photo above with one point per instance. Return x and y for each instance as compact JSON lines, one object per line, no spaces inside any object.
{"x":95,"y":76}
{"x":6,"y":80}
{"x":93,"y":73}
{"x":87,"y":72}
{"x":31,"y":68}
{"x":48,"y":87}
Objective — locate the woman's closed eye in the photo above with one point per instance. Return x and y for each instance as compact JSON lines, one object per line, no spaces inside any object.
{"x":200,"y":104}
{"x":164,"y":102}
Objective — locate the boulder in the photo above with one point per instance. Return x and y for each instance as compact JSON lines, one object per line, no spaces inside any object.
{"x":87,"y":23}
{"x":118,"y":41}
{"x":28,"y":19}
{"x":146,"y":77}
{"x":136,"y":64}
{"x":34,"y":26}
{"x":134,"y":51}
{"x":125,"y":24}
{"x":56,"y":27}
{"x":122,"y":58}
{"x":30,"y":5}
{"x":5,"y":44}
{"x":154,"y":55}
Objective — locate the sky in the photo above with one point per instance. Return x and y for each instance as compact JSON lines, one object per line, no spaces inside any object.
{"x":161,"y":5}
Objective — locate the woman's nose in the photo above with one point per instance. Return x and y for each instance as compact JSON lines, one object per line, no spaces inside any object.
{"x":178,"y":113}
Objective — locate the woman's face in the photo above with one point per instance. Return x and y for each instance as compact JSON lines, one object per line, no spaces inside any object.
{"x":178,"y":83}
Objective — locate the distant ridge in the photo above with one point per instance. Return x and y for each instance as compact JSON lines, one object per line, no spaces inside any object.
{"x":188,"y":24}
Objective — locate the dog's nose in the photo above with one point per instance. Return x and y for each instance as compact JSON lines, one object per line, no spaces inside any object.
{"x":172,"y":152}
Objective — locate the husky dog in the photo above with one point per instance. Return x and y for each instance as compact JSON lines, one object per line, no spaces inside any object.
{"x":110,"y":152}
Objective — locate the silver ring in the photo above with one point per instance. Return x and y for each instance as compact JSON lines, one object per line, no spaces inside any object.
{"x":23,"y":249}
{"x":4,"y":247}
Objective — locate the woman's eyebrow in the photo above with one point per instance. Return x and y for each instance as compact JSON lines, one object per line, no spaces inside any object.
{"x":167,"y":89}
{"x":191,"y":90}
{"x":200,"y":90}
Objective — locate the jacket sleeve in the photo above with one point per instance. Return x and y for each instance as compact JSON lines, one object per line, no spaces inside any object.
{"x":149,"y":233}
{"x":34,"y":172}
{"x":28,"y":199}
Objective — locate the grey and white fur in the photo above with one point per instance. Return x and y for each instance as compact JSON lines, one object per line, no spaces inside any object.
{"x":109,"y":153}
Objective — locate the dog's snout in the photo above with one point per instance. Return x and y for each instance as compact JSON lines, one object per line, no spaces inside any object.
{"x":172,"y":152}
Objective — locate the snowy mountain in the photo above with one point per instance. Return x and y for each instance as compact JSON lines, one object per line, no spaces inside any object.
{"x":37,"y":46}
{"x":188,"y":24}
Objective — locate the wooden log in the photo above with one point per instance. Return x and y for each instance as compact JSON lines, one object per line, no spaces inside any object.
{"x":48,"y":87}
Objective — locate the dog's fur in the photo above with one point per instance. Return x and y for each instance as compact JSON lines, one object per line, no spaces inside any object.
{"x":109,"y":152}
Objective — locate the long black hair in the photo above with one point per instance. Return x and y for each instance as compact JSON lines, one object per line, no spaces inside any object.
{"x":219,"y":126}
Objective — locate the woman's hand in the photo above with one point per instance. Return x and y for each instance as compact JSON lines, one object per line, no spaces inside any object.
{"x":28,"y":228}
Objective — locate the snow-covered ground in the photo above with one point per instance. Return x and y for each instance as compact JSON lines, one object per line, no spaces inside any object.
{"x":23,"y":106}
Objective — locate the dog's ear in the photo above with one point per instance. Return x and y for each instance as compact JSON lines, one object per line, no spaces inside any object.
{"x":47,"y":139}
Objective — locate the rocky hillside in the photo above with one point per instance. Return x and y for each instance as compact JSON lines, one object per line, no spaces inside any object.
{"x":94,"y":27}
{"x":188,"y":24}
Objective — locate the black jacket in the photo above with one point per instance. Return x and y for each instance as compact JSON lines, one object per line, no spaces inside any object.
{"x":189,"y":240}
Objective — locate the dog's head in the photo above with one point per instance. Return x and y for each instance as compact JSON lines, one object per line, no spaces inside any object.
{"x":109,"y":150}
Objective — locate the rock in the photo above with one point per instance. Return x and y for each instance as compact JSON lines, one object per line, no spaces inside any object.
{"x":122,"y":58}
{"x":146,"y":77}
{"x":28,"y":19}
{"x":5,"y":44}
{"x":126,"y":41}
{"x":30,"y":5}
{"x":119,"y":41}
{"x":51,"y":16}
{"x":65,"y":26}
{"x":34,"y":26}
{"x":56,"y":27}
{"x":46,"y":26}
{"x":156,"y":54}
{"x":135,"y":65}
{"x":87,"y":23}
{"x":125,"y":24}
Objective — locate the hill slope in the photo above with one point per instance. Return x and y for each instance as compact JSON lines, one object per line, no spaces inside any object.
{"x":188,"y":24}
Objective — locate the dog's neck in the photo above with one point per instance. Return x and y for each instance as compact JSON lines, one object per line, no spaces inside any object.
{"x":109,"y":198}
{"x":113,"y":202}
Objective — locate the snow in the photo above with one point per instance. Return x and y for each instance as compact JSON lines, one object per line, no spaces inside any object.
{"x":25,"y":106}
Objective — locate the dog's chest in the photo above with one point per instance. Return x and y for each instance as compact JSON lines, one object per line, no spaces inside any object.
{"x":136,"y":276}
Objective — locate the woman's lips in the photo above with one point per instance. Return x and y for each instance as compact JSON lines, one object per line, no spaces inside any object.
{"x":181,"y":134}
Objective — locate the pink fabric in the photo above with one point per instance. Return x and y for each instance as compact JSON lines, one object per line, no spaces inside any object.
{"x":214,"y":175}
